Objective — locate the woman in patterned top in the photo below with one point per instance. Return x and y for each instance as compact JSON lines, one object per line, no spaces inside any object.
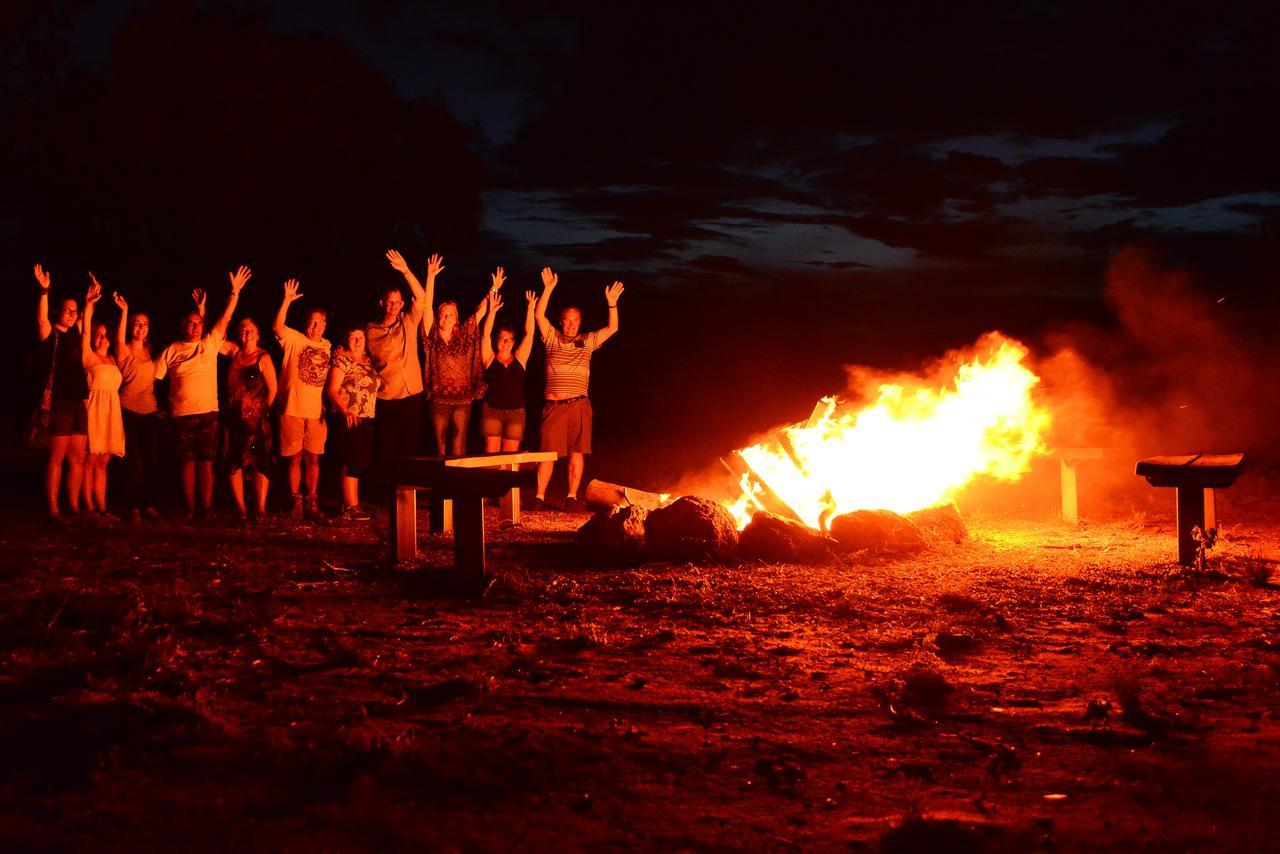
{"x":246,"y":438}
{"x":353,"y":389}
{"x":454,"y":371}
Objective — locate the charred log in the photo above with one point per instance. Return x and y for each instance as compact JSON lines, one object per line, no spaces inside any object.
{"x":876,"y":530}
{"x":616,"y":532}
{"x":774,"y":538}
{"x":691,"y":528}
{"x":941,"y":524}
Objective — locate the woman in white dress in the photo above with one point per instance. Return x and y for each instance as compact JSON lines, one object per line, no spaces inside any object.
{"x":106,"y":425}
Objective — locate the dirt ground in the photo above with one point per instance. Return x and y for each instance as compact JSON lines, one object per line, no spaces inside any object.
{"x":285,"y":687}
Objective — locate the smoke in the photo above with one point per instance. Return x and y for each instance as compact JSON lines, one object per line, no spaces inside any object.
{"x":1180,"y":373}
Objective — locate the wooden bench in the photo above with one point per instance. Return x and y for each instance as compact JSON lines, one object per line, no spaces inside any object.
{"x":1195,"y":477}
{"x":460,"y":485}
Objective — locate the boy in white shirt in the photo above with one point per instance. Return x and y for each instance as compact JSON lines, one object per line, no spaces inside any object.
{"x":302,"y":379}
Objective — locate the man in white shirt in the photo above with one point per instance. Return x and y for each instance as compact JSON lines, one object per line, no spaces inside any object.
{"x":192,"y":367}
{"x":302,"y":378}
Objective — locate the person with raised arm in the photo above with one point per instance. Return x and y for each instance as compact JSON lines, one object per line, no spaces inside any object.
{"x":566,"y":413}
{"x":62,"y":406}
{"x":353,"y":391}
{"x":139,"y":411}
{"x":105,"y":426}
{"x":393,"y":346}
{"x":191,"y":364}
{"x":246,"y":430}
{"x":303,"y":372}
{"x":454,"y":370}
{"x":502,"y":417}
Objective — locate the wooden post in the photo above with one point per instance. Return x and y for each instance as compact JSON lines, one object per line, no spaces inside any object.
{"x":1210,"y":511}
{"x":404,"y":522}
{"x":441,"y":515}
{"x":509,"y":504}
{"x":1191,"y":507}
{"x":468,"y":539}
{"x":1070,"y":498}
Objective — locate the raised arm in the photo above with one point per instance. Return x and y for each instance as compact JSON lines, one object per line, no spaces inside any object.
{"x":199,"y":297}
{"x":525,"y":348}
{"x":496,"y":278}
{"x":238,"y":280}
{"x":611,"y":295}
{"x":122,"y":327}
{"x":402,"y":267}
{"x":91,"y":298}
{"x":292,"y":293}
{"x":43,"y":326}
{"x":486,"y":334}
{"x":549,"y":282}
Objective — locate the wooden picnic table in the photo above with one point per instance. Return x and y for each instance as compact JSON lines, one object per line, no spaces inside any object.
{"x":459,"y":485}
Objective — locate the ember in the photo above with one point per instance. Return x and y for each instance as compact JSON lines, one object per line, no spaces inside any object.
{"x":915,"y":445}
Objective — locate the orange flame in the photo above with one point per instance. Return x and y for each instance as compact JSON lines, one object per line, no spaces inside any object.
{"x":914,"y":446}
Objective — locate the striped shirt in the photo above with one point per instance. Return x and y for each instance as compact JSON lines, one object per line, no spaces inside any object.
{"x":568,"y":363}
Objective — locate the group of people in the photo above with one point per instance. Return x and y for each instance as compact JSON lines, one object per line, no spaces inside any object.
{"x":99,"y":398}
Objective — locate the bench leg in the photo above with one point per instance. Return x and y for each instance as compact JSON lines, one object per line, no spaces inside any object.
{"x":1191,"y":514}
{"x":1070,"y":501}
{"x":509,"y":504}
{"x":441,"y":516}
{"x":404,"y":523}
{"x":468,"y":539}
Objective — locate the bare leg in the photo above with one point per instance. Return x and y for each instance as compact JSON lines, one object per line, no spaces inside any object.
{"x":53,"y":470}
{"x":189,"y":485}
{"x":510,"y":445}
{"x":75,"y":469}
{"x":263,"y":485}
{"x":100,"y":481}
{"x":87,"y":481}
{"x":493,"y":443}
{"x":350,"y":489}
{"x":575,"y":472}
{"x":544,"y":477}
{"x":236,"y":479}
{"x":313,"y":472}
{"x":205,"y":469}
{"x":295,"y":473}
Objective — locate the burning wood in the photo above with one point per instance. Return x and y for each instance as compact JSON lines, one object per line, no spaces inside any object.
{"x":915,"y":445}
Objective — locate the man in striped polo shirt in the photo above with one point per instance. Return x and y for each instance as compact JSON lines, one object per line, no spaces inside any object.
{"x":566,"y":412}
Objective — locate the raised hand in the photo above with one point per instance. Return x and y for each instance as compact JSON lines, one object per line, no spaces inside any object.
{"x":435,"y":266}
{"x":495,"y":302}
{"x":497,"y":278}
{"x":397,"y":261}
{"x":120,"y":301}
{"x":611,"y":294}
{"x":198,"y":297}
{"x":43,"y":277}
{"x":94,"y":293}
{"x":531,"y":297}
{"x":292,"y":291}
{"x":239,"y":279}
{"x":549,"y":279}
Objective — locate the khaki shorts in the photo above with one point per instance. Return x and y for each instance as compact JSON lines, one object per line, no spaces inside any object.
{"x":302,"y":434}
{"x":566,"y":426}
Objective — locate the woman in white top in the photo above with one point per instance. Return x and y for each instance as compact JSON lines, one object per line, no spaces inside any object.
{"x":106,"y":428}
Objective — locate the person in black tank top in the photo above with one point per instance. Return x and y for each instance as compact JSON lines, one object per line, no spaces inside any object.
{"x":64,"y":389}
{"x":502,"y":421}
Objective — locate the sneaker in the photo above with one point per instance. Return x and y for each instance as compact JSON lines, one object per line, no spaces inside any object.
{"x":152,"y":513}
{"x":295,"y":512}
{"x":571,"y":505}
{"x":355,"y":513}
{"x":538,"y":504}
{"x":61,"y":520}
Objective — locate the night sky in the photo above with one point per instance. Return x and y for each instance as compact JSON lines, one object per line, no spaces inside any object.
{"x":781,"y":186}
